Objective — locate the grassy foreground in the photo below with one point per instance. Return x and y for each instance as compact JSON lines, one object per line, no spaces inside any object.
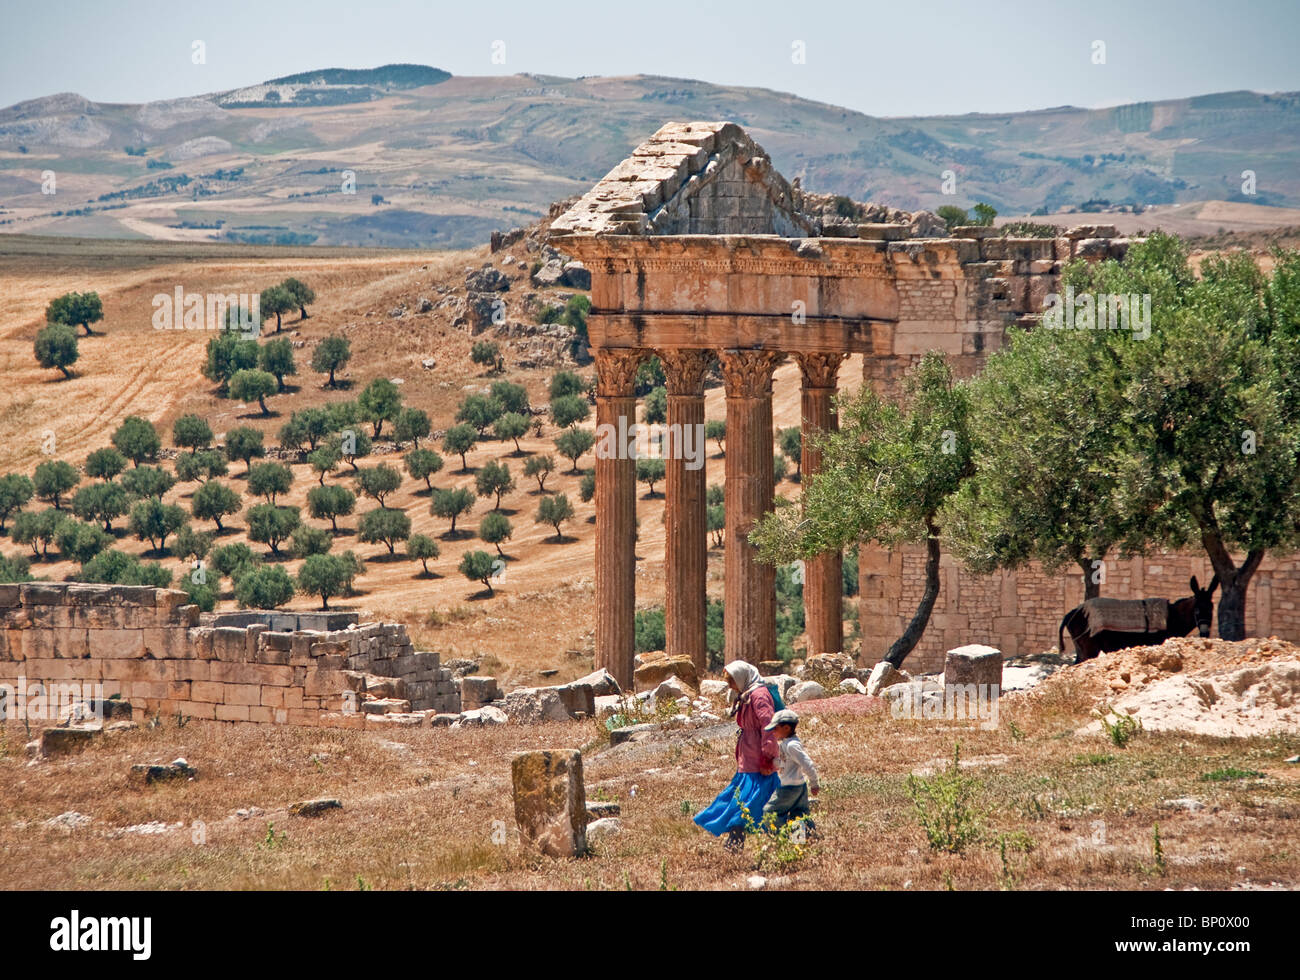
{"x":1035,"y":806}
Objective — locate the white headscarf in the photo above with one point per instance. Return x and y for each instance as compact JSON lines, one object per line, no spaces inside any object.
{"x":745,"y":675}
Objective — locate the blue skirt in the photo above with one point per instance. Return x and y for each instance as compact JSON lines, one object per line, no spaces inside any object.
{"x":724,"y":813}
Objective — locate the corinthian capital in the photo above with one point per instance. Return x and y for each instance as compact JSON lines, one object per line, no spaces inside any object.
{"x":616,"y":370}
{"x":685,"y":370}
{"x":820,"y":369}
{"x":748,"y":373}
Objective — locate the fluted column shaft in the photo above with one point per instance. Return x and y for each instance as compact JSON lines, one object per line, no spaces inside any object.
{"x":615,"y":513}
{"x":823,"y":588}
{"x":750,"y":616}
{"x":686,"y":555}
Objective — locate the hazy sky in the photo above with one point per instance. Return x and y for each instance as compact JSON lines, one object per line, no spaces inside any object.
{"x":883,"y":58}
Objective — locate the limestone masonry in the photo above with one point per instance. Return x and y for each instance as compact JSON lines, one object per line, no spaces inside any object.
{"x":146,"y":646}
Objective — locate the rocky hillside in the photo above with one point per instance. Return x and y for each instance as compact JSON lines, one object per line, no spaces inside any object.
{"x":406,"y":155}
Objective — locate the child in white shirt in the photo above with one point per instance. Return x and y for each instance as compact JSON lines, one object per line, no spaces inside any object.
{"x":797,"y":772}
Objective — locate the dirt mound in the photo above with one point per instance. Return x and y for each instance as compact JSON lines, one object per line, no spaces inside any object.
{"x":1201,"y":686}
{"x":1256,"y":700}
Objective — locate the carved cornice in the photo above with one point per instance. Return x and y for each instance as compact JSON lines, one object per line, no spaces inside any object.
{"x":616,"y":371}
{"x":783,"y":266}
{"x":820,"y":369}
{"x":685,"y":370}
{"x":748,"y":373}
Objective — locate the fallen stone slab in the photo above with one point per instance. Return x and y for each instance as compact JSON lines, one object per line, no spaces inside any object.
{"x":579,"y":699}
{"x":715,"y":688}
{"x":602,"y":683}
{"x":655,"y":668}
{"x":603,"y":828}
{"x":630,"y":733}
{"x":314,"y":808}
{"x":550,"y":801}
{"x":885,"y":675}
{"x":671,"y":689}
{"x":805,"y":691}
{"x":533,"y":705}
{"x":143,"y":774}
{"x":386,"y":706}
{"x":398,"y":719}
{"x":63,"y":741}
{"x":486,"y":715}
{"x":600,"y":810}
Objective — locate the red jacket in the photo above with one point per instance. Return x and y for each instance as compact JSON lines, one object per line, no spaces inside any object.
{"x":756,"y":750}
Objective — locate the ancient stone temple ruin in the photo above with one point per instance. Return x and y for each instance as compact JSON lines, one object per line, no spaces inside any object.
{"x":698,"y":248}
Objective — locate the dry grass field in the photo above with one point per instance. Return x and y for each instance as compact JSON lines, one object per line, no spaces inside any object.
{"x":431,"y":808}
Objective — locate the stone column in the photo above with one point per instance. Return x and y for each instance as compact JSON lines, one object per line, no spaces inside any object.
{"x":686,"y":559}
{"x":823,"y":589}
{"x":615,"y":512}
{"x":750,"y":621}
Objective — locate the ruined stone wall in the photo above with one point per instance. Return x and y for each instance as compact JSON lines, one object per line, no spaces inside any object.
{"x":146,"y":646}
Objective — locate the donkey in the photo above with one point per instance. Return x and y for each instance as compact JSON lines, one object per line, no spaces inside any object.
{"x":1195,"y":610}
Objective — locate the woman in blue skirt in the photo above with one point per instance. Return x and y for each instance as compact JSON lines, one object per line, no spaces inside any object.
{"x":756,"y":750}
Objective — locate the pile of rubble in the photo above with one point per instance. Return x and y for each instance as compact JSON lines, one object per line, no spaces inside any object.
{"x":1200,"y":686}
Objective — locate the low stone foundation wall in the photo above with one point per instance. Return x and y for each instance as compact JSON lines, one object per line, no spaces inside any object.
{"x":145,"y":645}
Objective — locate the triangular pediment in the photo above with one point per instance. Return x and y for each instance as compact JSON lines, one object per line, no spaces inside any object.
{"x":696,"y":178}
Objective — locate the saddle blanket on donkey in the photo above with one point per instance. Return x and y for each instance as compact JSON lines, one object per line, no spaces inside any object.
{"x":1126,"y":615}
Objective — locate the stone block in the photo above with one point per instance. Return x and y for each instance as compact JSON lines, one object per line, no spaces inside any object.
{"x":229,"y":644}
{"x":208,"y":692}
{"x":116,"y":644}
{"x":476,"y":691}
{"x":251,"y":634}
{"x":43,"y":593}
{"x":272,"y":697}
{"x":973,"y":664}
{"x":655,"y":668}
{"x":579,"y":699}
{"x":533,"y":705}
{"x":232,"y":712}
{"x":248,"y":694}
{"x":885,"y":675}
{"x":550,"y":801}
{"x":267,"y":655}
{"x":601,"y":681}
{"x":322,"y":683}
{"x":64,"y":741}
{"x":273,"y":640}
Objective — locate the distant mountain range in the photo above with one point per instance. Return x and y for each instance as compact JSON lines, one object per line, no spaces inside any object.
{"x":408,"y":155}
